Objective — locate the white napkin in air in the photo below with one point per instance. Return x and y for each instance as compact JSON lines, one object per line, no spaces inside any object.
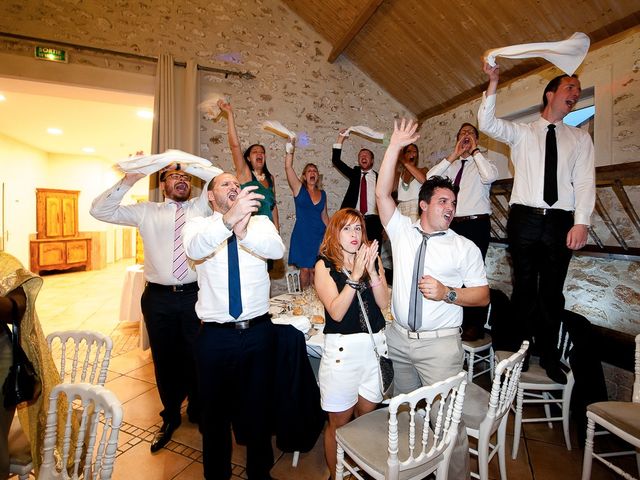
{"x":365,"y":132}
{"x":276,"y":127}
{"x":149,"y":164}
{"x":567,"y":54}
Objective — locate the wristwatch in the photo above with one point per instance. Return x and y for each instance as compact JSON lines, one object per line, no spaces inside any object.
{"x":451,"y":296}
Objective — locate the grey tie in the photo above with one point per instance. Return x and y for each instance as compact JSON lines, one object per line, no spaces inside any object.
{"x":415,"y":298}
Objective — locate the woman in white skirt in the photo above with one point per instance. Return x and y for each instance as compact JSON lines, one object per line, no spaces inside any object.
{"x":410,"y":179}
{"x":349,"y":380}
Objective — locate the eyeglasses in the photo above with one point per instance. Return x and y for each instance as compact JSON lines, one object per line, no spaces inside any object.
{"x":178,"y":176}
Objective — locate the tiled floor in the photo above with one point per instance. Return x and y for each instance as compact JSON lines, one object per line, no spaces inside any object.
{"x":90,"y":300}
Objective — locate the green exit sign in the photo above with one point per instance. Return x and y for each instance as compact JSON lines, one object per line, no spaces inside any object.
{"x":51,"y":54}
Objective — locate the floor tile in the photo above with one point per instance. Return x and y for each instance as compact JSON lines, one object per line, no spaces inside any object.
{"x":138,"y":462}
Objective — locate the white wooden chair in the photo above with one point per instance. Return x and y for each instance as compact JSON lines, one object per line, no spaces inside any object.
{"x":621,"y":419}
{"x":535,"y":387}
{"x":478,"y":352}
{"x":19,"y":451}
{"x":96,"y":440}
{"x":485,"y":413}
{"x":408,"y":440}
{"x":84,"y":355}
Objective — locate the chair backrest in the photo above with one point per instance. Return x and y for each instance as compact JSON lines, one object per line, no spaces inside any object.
{"x":84,"y":355}
{"x":636,"y":383}
{"x":293,"y":281}
{"x":504,"y":387}
{"x":431,"y":432}
{"x":95,"y":442}
{"x":564,"y":344}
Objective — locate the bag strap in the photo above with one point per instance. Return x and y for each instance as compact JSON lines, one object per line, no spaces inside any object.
{"x":366,"y":317}
{"x":14,"y":334}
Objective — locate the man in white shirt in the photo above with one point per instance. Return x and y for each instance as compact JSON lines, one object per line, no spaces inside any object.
{"x":473,"y":174}
{"x":168,"y":301}
{"x":551,"y":204}
{"x":361,"y":192}
{"x":430,"y":264}
{"x":235,"y":347}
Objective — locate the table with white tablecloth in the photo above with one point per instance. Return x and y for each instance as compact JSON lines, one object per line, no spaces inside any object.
{"x":130,"y":309}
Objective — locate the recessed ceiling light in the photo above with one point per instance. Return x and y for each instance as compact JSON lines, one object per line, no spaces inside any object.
{"x":145,"y":114}
{"x":89,"y":150}
{"x":2,"y":98}
{"x":54,"y":131}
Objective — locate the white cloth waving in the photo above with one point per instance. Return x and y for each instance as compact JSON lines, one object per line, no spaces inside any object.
{"x":567,"y":54}
{"x":148,"y":164}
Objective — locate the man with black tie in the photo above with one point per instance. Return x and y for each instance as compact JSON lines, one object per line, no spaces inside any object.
{"x":235,"y":346}
{"x":361,"y":193}
{"x":551,"y":203}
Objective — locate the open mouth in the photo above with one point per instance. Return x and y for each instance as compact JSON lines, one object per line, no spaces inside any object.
{"x":448,"y":217}
{"x":233,"y":196}
{"x":570,"y":103}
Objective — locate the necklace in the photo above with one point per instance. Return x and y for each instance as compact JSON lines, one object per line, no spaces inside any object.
{"x":259,"y":176}
{"x":403,"y":184}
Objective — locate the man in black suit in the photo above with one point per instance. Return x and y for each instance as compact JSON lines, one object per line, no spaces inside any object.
{"x":361,"y":193}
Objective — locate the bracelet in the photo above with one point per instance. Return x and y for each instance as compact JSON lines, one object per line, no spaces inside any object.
{"x":375,"y":283}
{"x":359,"y":286}
{"x":473,"y":152}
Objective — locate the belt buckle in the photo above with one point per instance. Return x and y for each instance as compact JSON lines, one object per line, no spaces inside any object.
{"x":413,"y":335}
{"x":242,"y":325}
{"x":177,"y":288}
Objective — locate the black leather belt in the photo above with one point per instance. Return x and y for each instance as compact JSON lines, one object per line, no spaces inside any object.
{"x":540,"y":211}
{"x":241,"y":324}
{"x":470,"y":217}
{"x":187,"y":287}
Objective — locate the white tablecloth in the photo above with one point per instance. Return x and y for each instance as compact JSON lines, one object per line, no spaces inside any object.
{"x":130,"y":310}
{"x":285,"y":303}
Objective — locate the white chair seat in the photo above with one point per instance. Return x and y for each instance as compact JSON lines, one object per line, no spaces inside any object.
{"x":622,"y":415}
{"x":476,"y":406}
{"x":373,"y":453}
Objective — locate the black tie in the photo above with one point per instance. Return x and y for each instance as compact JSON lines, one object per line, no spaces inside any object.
{"x":415,"y":298}
{"x":235,"y":295}
{"x":551,"y":167}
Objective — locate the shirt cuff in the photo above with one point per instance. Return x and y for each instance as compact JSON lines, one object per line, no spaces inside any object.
{"x":337,"y":146}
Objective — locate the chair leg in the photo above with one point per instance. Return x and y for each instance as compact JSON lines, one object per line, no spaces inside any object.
{"x":296,"y":457}
{"x":588,"y":450}
{"x":547,"y":407}
{"x":492,"y":360}
{"x":517,"y":424}
{"x":502,"y":440}
{"x":470,"y":363}
{"x":339,"y":463}
{"x":566,"y":411}
{"x":483,"y":458}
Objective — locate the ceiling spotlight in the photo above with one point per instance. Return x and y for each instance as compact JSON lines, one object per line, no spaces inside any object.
{"x":2,"y":98}
{"x":148,"y":114}
{"x":54,"y":131}
{"x":89,"y":150}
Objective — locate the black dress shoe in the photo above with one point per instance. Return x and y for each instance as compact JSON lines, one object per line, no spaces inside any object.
{"x":163,"y":436}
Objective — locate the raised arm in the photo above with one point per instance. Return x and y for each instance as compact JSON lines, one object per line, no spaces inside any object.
{"x":294,"y":182}
{"x":336,"y":155}
{"x":402,"y":135}
{"x":418,"y":173}
{"x":242,"y":169}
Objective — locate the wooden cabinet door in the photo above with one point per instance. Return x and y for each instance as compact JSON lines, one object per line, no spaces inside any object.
{"x":51,"y":253}
{"x":69,"y":214}
{"x":77,"y":251}
{"x":53,"y":216}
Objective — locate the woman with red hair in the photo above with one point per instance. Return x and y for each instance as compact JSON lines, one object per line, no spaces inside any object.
{"x":349,"y":380}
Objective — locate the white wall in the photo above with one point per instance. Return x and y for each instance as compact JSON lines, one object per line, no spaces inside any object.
{"x":24,"y":168}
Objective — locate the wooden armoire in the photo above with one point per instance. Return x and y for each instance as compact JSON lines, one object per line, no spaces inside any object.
{"x":57,"y":244}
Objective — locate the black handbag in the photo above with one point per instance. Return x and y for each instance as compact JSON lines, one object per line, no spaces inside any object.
{"x":22,"y":383}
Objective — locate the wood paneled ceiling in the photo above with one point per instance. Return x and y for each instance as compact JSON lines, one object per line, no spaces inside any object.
{"x":427,"y":53}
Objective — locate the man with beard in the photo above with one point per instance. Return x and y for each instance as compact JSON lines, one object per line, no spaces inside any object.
{"x":236,"y":345}
{"x":361,"y":192}
{"x":168,"y":301}
{"x":473,"y":174}
{"x":430,"y":264}
{"x":551,"y":202}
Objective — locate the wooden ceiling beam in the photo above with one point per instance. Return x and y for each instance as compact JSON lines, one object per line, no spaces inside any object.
{"x":360,"y":21}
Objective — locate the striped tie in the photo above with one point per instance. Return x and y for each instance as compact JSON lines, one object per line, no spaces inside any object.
{"x":180,"y":267}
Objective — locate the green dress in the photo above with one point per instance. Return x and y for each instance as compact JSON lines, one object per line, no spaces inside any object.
{"x":269,"y":202}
